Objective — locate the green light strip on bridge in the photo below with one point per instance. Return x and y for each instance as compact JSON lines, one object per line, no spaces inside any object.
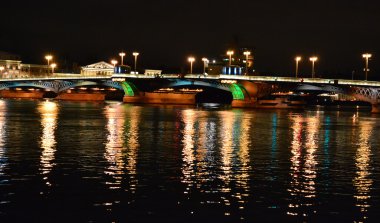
{"x":237,"y":92}
{"x":128,"y":88}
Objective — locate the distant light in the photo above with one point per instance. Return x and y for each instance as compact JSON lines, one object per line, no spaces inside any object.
{"x":367,"y":55}
{"x":298,"y":58}
{"x":313,"y":59}
{"x":191,"y":59}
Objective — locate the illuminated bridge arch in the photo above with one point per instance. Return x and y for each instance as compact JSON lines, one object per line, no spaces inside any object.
{"x":213,"y":84}
{"x":238,"y":91}
{"x":129,"y":88}
{"x":47,"y":85}
{"x":65,"y":85}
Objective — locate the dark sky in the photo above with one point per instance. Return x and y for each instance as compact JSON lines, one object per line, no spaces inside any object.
{"x":165,"y":32}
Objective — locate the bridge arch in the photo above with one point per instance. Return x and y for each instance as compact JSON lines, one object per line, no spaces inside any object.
{"x":47,"y":85}
{"x":66,"y":85}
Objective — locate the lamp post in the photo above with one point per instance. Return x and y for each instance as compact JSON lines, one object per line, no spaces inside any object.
{"x":191,"y":60}
{"x":313,"y":59}
{"x":114,"y":62}
{"x":53,"y":66}
{"x":48,"y":58}
{"x":205,"y":62}
{"x":230,"y":53}
{"x":135,"y":54}
{"x":298,"y":59}
{"x":122,"y":54}
{"x":246,"y":53}
{"x":366,"y":56}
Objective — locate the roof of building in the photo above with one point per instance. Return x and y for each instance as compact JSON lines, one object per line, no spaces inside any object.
{"x":99,"y":65}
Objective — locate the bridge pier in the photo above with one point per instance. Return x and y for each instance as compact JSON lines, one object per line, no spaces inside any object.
{"x":375,"y":108}
{"x":161,"y":98}
{"x":242,"y":103}
{"x":21,"y":94}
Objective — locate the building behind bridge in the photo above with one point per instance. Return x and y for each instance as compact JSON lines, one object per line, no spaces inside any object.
{"x":11,"y":66}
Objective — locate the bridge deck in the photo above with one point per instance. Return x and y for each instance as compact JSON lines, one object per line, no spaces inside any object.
{"x":63,"y":76}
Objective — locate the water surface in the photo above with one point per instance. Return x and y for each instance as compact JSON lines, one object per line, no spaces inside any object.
{"x":112,"y":162}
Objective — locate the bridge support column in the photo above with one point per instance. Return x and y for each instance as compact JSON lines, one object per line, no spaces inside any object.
{"x":375,"y":108}
{"x":161,"y":98}
{"x":242,"y":103}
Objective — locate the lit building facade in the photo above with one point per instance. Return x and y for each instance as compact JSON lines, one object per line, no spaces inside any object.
{"x":11,"y":66}
{"x":98,"y":69}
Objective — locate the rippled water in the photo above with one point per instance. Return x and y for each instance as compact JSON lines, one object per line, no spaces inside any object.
{"x":105,"y":162}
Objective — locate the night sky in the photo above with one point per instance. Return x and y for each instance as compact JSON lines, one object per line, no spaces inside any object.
{"x":166,"y":32}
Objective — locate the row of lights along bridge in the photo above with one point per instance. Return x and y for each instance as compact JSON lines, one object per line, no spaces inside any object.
{"x":229,"y":53}
{"x":312,"y":59}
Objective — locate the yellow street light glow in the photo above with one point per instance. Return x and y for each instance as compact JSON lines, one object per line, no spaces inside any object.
{"x":313,"y":59}
{"x":191,"y":60}
{"x":53,"y":66}
{"x":246,"y":53}
{"x":205,"y":62}
{"x":48,"y":58}
{"x":122,"y":54}
{"x":230,"y":53}
{"x":135,"y":54}
{"x":298,"y":59}
{"x":114,"y":62}
{"x":366,"y":56}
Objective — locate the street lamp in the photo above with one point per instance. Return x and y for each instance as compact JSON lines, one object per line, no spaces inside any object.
{"x":366,"y":56}
{"x":53,"y":65}
{"x":191,"y":60}
{"x":230,"y":53}
{"x":246,"y":53}
{"x":205,"y":62}
{"x":313,"y":59}
{"x":135,"y":54}
{"x":114,"y":62}
{"x":298,"y":59}
{"x":48,"y":58}
{"x":122,"y":54}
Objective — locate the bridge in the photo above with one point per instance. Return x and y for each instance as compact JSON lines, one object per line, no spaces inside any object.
{"x":246,"y":91}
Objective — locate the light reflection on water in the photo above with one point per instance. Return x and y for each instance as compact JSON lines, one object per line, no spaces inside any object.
{"x":303,"y":168}
{"x":49,"y":113}
{"x":3,"y":125}
{"x":202,"y":171}
{"x":362,"y":181}
{"x":187,"y":164}
{"x":122,"y":145}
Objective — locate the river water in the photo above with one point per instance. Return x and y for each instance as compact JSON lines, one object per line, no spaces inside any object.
{"x":113,"y":162}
